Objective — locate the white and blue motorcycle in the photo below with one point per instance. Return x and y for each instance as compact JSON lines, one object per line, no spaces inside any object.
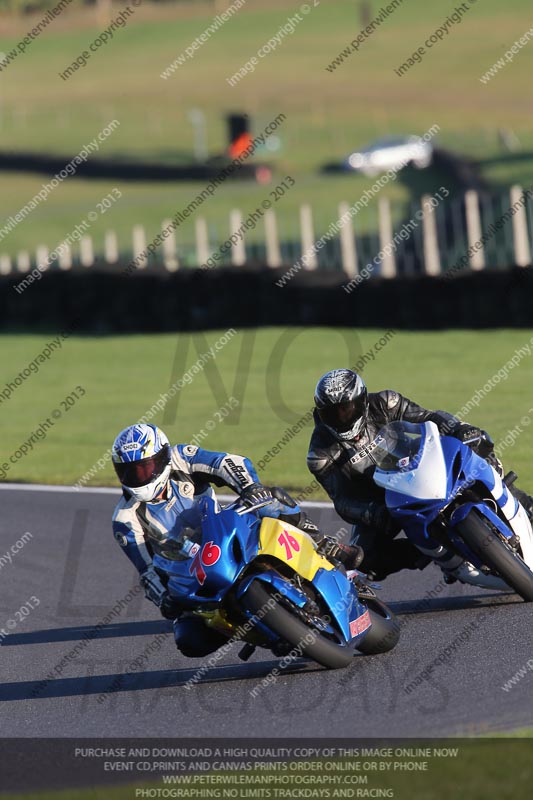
{"x":455,"y":507}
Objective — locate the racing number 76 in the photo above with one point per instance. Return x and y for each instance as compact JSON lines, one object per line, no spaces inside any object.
{"x":206,"y":557}
{"x":290,"y":543}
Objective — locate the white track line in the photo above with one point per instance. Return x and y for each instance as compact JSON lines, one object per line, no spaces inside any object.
{"x":42,"y":487}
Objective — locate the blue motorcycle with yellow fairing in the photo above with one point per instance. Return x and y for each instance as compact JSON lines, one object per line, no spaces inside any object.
{"x":263,"y":582}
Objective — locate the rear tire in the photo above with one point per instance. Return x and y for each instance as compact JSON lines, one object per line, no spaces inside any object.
{"x":292,"y":630}
{"x":385,"y":631}
{"x":497,"y":555}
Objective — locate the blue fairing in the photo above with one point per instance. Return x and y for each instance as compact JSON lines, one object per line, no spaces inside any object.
{"x":464,"y":467}
{"x":236,"y":537}
{"x":342,"y":599}
{"x":338,"y":592}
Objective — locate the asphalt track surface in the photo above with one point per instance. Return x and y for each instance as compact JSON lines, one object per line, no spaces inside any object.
{"x":76,"y":570}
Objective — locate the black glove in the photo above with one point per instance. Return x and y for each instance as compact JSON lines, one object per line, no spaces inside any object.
{"x":378,"y":516}
{"x":479,"y":441}
{"x":485,"y":448}
{"x":169,"y":607}
{"x":283,"y":496}
{"x":256,"y":493}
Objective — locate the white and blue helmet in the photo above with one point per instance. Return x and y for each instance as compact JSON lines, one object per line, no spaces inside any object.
{"x":141,"y":457}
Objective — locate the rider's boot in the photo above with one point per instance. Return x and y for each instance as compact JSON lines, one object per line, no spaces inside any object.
{"x":350,"y":555}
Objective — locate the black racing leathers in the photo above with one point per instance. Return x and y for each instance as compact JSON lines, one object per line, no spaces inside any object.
{"x":345,"y":471}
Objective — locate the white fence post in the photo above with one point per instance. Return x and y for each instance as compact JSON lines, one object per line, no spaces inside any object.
{"x":238,"y":250}
{"x":347,"y":242}
{"x":431,"y":243}
{"x":111,"y":254}
{"x":273,"y":252}
{"x":41,"y":256}
{"x":388,"y":265}
{"x":65,"y":256}
{"x":473,"y":230}
{"x":202,"y":241}
{"x":170,"y":258}
{"x":139,"y":246}
{"x":23,"y":261}
{"x":522,"y":252}
{"x":86,"y":251}
{"x":309,"y":257}
{"x":5,"y":265}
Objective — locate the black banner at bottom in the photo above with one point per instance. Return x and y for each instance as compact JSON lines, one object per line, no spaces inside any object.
{"x":127,"y":769}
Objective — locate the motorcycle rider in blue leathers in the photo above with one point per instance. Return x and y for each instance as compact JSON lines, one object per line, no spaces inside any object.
{"x":159,"y":482}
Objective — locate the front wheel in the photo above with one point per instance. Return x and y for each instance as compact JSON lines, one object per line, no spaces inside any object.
{"x":497,"y":555}
{"x":385,"y":631}
{"x":309,"y":641}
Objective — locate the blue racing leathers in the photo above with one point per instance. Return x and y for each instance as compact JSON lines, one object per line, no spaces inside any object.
{"x":142,"y":528}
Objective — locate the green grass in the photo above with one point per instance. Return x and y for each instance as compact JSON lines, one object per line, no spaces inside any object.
{"x":522,"y":733}
{"x":328,"y":114}
{"x":124,"y":376}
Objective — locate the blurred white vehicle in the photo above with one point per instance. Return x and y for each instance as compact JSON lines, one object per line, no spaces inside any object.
{"x":391,"y":153}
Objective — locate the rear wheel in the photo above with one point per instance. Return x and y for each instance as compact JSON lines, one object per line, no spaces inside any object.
{"x":497,"y":554}
{"x":385,"y":631}
{"x":309,"y":641}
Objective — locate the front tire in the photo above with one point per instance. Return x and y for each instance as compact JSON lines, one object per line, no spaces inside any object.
{"x":385,"y":631}
{"x":292,"y":630}
{"x":497,"y":555}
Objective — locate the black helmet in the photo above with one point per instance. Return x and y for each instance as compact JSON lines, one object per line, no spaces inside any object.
{"x":341,"y":400}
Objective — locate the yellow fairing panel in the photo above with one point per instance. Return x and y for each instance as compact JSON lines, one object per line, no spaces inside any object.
{"x":292,"y":546}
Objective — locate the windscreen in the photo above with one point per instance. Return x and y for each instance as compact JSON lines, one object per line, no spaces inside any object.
{"x":185,"y":532}
{"x":399,"y":445}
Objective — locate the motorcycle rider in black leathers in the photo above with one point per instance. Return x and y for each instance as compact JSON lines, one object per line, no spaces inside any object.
{"x":347,"y":420}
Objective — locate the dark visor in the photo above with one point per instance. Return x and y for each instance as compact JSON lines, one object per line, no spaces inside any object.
{"x":140,"y":473}
{"x":342,"y":416}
